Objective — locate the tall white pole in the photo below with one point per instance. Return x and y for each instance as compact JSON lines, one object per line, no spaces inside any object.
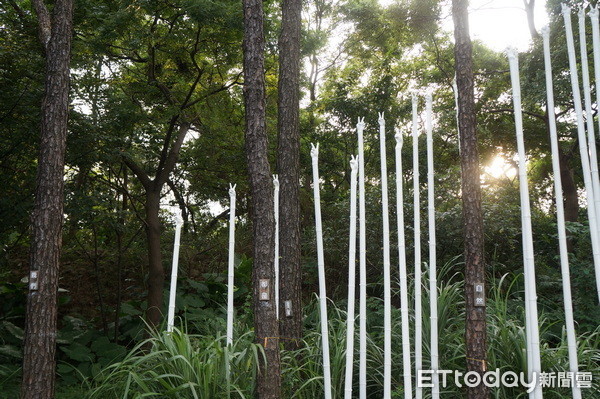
{"x":433,"y":298}
{"x":276,"y":260}
{"x":585,"y":74}
{"x":362,"y":351}
{"x":596,"y":42}
{"x":560,"y":217}
{"x":387,"y":290}
{"x":455,"y":89}
{"x":230,"y":268}
{"x":351,"y":282}
{"x":417,"y":246}
{"x":175,"y":266}
{"x":536,"y":367}
{"x":406,"y":366}
{"x":583,"y":150}
{"x":314,"y":153}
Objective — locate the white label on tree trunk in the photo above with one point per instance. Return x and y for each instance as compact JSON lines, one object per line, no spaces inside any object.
{"x":264,"y":289}
{"x":288,"y":308}
{"x":479,"y":294}
{"x":33,"y":280}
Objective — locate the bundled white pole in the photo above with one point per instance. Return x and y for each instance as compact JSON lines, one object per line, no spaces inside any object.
{"x":314,"y":153}
{"x":433,"y":298}
{"x":535,"y":368}
{"x":387,"y":290}
{"x":589,"y":113}
{"x":230,"y":269}
{"x":406,"y":366}
{"x":417,"y":246}
{"x":351,"y":282}
{"x":362,"y":306}
{"x":560,"y":217}
{"x":596,"y":42}
{"x":276,"y":261}
{"x":175,"y":266}
{"x":583,"y":150}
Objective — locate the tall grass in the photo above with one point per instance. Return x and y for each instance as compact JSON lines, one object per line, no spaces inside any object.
{"x":179,"y":365}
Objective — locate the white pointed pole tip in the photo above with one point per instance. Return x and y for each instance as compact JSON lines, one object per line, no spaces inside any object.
{"x":399,"y":137}
{"x":429,"y":96}
{"x":566,"y":10}
{"x":593,"y":12}
{"x":415,"y":97}
{"x":581,"y":12}
{"x":361,"y":123}
{"x":545,"y":31}
{"x":178,"y":218}
{"x":354,"y":163}
{"x":276,"y":182}
{"x":232,"y":189}
{"x":314,"y":150}
{"x":381,"y":118}
{"x":512,"y":53}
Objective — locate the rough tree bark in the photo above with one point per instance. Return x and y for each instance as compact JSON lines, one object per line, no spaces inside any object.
{"x":266,"y":328}
{"x":475,"y":328}
{"x":47,"y":216}
{"x":288,"y":168}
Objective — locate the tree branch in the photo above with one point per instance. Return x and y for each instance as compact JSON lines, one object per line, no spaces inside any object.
{"x":44,"y":22}
{"x":163,"y":174}
{"x":138,"y":172}
{"x":502,"y":110}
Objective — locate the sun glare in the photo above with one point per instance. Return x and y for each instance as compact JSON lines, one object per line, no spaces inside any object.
{"x":500,"y":168}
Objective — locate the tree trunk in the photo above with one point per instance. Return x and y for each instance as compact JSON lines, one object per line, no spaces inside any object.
{"x":261,"y":202}
{"x":288,"y":168}
{"x":475,"y":328}
{"x":47,"y":215}
{"x":571,"y":198}
{"x":156,"y":273}
{"x":569,"y":188}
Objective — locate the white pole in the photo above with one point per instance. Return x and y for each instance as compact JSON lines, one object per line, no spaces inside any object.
{"x":589,"y":113}
{"x":536,"y":367}
{"x":175,"y":266}
{"x":583,"y":150}
{"x":351,"y":281}
{"x":455,"y":89}
{"x":276,"y":261}
{"x":433,"y":312}
{"x":387,"y":291}
{"x":230,"y":269}
{"x":362,"y":366}
{"x":560,"y":217}
{"x":406,"y":366}
{"x":314,"y":153}
{"x":596,"y":42}
{"x":417,"y":246}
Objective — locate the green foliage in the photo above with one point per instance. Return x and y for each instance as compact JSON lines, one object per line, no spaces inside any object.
{"x":85,"y":351}
{"x":180,"y":365}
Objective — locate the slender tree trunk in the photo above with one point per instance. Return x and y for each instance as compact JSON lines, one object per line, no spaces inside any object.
{"x":261,"y":201}
{"x":530,"y":10}
{"x":47,"y":217}
{"x":156,"y":273}
{"x":288,"y":168}
{"x":475,"y":328}
{"x":569,"y":188}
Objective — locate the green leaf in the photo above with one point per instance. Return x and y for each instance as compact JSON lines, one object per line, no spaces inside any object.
{"x":17,"y":332}
{"x":11,"y":351}
{"x":78,"y":352}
